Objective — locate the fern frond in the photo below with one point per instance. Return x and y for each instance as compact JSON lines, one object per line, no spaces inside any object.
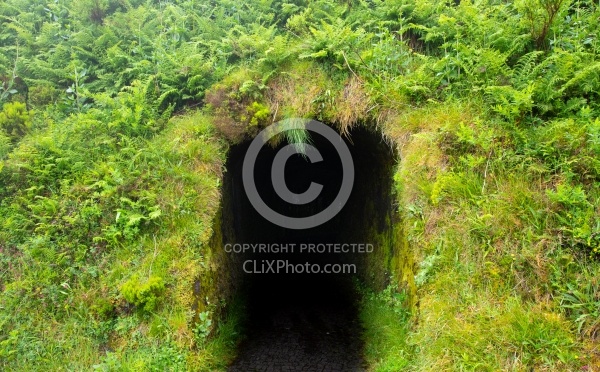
{"x":524,"y":69}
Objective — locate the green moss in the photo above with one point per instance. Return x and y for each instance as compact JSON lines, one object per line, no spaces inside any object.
{"x":144,"y":294}
{"x":258,"y":113}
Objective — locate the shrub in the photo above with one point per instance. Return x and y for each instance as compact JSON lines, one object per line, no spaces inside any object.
{"x":577,"y":217}
{"x":4,"y":146}
{"x":15,"y":120}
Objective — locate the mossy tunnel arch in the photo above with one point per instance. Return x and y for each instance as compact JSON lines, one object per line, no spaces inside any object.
{"x":369,"y":220}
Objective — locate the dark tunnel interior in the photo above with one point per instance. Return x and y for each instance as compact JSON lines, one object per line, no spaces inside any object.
{"x":300,"y":312}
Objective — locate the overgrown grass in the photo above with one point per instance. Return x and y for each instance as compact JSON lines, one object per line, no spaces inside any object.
{"x":101,"y":244}
{"x":493,"y":285}
{"x":386,"y":323}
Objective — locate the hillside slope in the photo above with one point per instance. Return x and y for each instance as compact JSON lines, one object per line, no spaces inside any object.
{"x":110,"y":180}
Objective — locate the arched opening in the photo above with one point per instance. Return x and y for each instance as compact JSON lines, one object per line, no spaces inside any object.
{"x":299,"y":285}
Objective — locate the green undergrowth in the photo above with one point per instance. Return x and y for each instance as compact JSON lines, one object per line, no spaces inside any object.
{"x":105,"y":228}
{"x":386,"y":324}
{"x":499,"y":284}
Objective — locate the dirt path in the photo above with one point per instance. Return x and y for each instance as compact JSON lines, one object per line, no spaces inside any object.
{"x":301,"y":324}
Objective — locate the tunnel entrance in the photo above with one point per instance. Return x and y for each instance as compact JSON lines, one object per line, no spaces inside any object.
{"x":299,"y":285}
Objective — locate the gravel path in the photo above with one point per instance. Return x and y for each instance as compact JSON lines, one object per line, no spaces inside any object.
{"x":301,"y":324}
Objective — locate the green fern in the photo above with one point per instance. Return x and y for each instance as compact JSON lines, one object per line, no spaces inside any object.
{"x":523,"y":72}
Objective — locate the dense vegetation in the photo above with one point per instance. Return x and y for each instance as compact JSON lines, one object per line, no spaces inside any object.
{"x":115,"y":123}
